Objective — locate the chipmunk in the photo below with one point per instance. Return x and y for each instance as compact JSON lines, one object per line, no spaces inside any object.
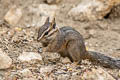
{"x":70,"y":43}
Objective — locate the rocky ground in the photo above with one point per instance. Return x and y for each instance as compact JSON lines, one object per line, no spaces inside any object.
{"x":19,"y":55}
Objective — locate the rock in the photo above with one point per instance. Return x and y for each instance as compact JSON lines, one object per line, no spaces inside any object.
{"x":3,"y":31}
{"x":97,"y":74}
{"x":46,"y":69}
{"x":115,"y":12}
{"x":65,"y":60}
{"x":51,"y":57}
{"x":13,"y":15}
{"x":93,"y":33}
{"x":1,"y":78}
{"x":43,"y":11}
{"x":29,"y":79}
{"x":26,"y":73}
{"x":119,"y":74}
{"x":29,"y":56}
{"x":45,"y":73}
{"x":63,"y":77}
{"x":52,"y":1}
{"x":76,"y":77}
{"x":47,"y":10}
{"x":5,"y":60}
{"x":92,"y":9}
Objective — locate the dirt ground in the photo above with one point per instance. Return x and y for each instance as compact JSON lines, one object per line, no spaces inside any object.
{"x":101,"y":36}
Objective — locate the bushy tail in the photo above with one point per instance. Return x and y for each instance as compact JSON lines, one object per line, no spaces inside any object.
{"x":104,"y":60}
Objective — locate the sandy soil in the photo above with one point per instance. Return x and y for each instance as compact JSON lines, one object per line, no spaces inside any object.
{"x":102,"y":36}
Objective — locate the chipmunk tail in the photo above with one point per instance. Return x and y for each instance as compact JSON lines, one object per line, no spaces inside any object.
{"x":102,"y":59}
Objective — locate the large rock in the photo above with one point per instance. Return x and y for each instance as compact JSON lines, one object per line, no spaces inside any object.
{"x":42,"y":12}
{"x":97,"y":74}
{"x":5,"y":60}
{"x":13,"y":15}
{"x":115,"y":12}
{"x":29,"y":56}
{"x":92,"y":9}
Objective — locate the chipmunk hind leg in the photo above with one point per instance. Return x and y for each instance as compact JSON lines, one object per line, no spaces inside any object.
{"x":74,"y":51}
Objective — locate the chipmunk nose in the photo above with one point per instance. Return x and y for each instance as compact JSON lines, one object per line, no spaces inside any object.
{"x":38,"y":39}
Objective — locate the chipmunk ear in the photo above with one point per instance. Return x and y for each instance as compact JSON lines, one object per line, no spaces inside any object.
{"x":47,"y":20}
{"x":53,"y":23}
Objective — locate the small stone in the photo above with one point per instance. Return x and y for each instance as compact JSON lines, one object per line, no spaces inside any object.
{"x":92,"y":32}
{"x":63,"y":76}
{"x":3,"y":31}
{"x":87,"y":48}
{"x":65,"y":60}
{"x":28,"y":25}
{"x":0,"y":78}
{"x":119,"y":74}
{"x":29,"y":79}
{"x":18,"y":29}
{"x":76,"y":77}
{"x":5,"y":60}
{"x":26,"y":73}
{"x":13,"y":15}
{"x":70,"y":69}
{"x":28,"y":56}
{"x":51,"y":57}
{"x":46,"y":69}
{"x":33,"y":25}
{"x":97,"y":74}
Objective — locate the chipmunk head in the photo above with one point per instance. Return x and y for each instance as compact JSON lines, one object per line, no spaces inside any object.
{"x":45,"y":31}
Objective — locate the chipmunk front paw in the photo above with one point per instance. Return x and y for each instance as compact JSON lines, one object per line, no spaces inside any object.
{"x":41,"y":49}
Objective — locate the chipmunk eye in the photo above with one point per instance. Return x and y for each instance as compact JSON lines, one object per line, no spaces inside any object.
{"x":46,"y":33}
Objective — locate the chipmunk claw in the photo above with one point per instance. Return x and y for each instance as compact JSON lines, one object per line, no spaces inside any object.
{"x":40,"y":50}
